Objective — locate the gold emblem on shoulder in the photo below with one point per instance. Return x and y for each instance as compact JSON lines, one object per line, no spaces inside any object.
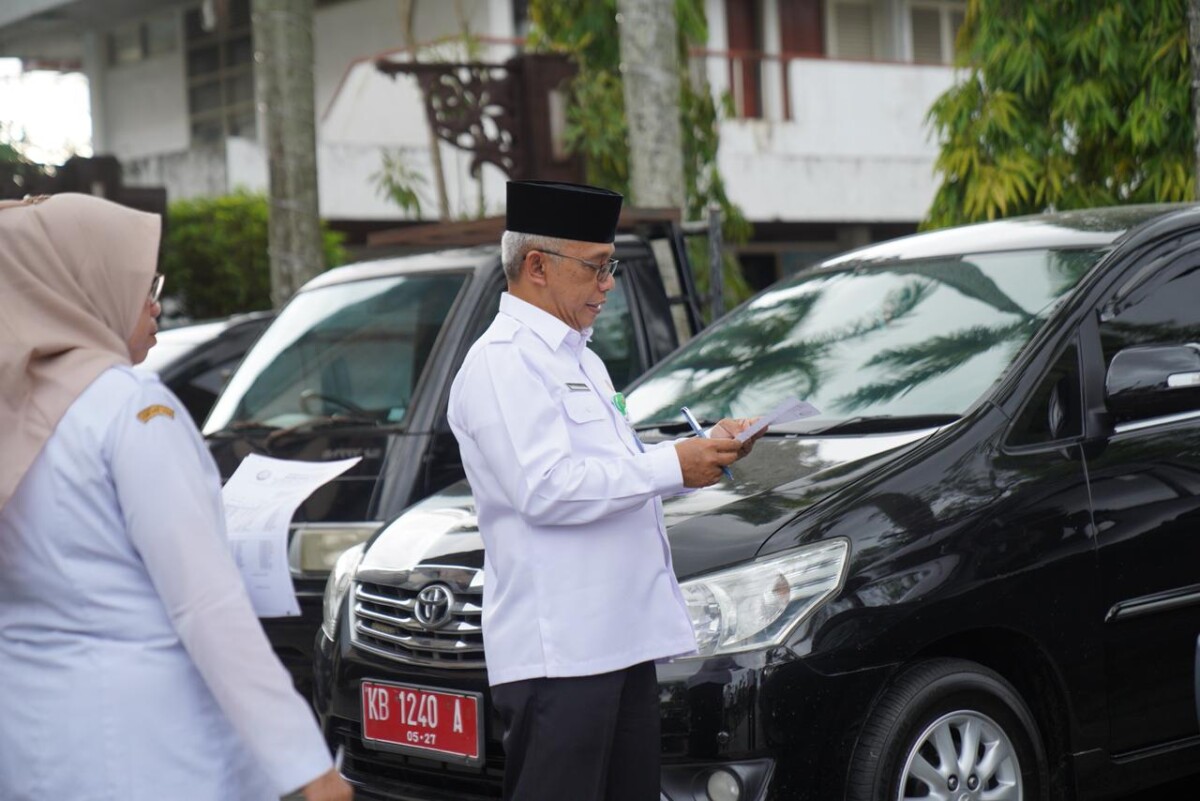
{"x":154,"y":410}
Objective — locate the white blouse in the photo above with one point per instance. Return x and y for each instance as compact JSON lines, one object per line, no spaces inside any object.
{"x":578,"y":574}
{"x":132,"y":665}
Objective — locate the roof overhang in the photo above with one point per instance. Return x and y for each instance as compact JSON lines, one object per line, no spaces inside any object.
{"x":49,"y":33}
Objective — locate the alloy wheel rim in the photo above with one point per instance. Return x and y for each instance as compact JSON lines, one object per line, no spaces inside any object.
{"x":962,"y":756}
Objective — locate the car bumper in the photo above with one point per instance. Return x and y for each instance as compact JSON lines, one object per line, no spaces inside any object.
{"x":785,"y":729}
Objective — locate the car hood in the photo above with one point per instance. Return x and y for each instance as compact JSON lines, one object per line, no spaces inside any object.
{"x":707,"y":528}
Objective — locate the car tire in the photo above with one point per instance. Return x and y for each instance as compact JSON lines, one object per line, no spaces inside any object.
{"x":915,"y":734}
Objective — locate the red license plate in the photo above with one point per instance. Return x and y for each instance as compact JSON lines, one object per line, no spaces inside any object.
{"x":431,"y":723}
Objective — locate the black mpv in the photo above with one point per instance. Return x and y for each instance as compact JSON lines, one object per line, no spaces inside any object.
{"x":976,"y":575}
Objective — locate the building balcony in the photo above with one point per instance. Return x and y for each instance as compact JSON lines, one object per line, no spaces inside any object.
{"x":824,"y":140}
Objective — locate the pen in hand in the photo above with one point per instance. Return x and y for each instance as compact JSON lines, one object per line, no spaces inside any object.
{"x":700,"y":432}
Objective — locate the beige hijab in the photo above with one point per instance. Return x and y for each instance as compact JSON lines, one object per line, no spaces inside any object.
{"x":74,"y":274}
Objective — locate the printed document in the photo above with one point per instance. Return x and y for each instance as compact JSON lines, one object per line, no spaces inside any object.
{"x":791,"y":409}
{"x":260,"y":499}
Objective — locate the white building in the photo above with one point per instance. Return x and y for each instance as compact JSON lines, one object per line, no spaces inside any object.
{"x":829,"y":147}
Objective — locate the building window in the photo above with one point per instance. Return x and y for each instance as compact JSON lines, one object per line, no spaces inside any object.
{"x":137,"y":41}
{"x":852,"y":29}
{"x":220,"y":74}
{"x":520,"y":15}
{"x":934,"y":25}
{"x":743,"y":23}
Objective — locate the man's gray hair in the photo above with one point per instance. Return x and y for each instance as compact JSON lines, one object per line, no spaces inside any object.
{"x":514,"y":246}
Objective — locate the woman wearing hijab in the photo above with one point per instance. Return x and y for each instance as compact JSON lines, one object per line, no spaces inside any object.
{"x":132,"y":665}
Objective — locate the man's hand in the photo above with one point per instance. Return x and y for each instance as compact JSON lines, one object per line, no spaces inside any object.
{"x":729,"y":428}
{"x":701,"y":459}
{"x":329,"y":786}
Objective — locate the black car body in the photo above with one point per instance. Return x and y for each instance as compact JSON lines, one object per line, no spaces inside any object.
{"x":975,"y":575}
{"x":195,"y":360}
{"x":359,"y":363}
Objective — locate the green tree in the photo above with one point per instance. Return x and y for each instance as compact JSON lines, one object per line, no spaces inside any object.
{"x":215,"y":255}
{"x":596,"y":121}
{"x":1065,"y":104}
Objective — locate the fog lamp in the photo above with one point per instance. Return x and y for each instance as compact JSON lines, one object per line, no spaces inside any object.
{"x":723,"y":785}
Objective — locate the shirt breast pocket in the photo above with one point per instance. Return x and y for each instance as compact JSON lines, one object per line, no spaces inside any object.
{"x":583,"y":408}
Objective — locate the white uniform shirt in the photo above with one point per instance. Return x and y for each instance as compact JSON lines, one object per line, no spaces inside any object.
{"x":578,"y":575}
{"x":132,"y":664}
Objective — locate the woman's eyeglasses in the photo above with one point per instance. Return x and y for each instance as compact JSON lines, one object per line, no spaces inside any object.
{"x":603,"y":271}
{"x":156,"y":287}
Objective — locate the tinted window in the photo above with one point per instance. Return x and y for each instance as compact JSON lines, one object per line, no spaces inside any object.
{"x":613,"y":337}
{"x":356,"y":348}
{"x":924,"y":337}
{"x":1054,"y":410}
{"x":1163,"y":310}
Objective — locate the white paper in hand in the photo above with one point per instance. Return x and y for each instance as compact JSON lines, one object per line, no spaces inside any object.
{"x":791,"y":409}
{"x":260,"y":498}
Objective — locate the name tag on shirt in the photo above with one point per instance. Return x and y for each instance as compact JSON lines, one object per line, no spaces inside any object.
{"x":572,"y":386}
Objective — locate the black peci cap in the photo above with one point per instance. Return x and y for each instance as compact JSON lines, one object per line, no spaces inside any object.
{"x":562,"y":210}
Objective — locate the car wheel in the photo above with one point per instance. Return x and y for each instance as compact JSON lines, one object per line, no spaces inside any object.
{"x":951,"y":730}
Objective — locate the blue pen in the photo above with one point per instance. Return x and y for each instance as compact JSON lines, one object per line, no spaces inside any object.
{"x":691,"y":421}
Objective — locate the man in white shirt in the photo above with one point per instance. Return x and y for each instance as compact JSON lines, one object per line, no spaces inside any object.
{"x":580,"y":597}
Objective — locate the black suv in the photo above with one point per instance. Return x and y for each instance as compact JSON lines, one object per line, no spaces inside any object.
{"x":976,"y":575}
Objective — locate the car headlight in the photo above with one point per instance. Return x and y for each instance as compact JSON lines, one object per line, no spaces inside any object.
{"x":337,"y":585}
{"x":315,"y":547}
{"x":758,"y":604}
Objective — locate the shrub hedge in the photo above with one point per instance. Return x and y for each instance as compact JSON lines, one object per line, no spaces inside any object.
{"x":215,"y":255}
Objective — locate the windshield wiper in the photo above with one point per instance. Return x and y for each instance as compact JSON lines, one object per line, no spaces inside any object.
{"x":240,"y":427}
{"x":883,"y":423}
{"x":326,"y":421}
{"x":674,"y":428}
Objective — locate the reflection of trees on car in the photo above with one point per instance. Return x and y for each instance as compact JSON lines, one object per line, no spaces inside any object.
{"x":912,"y":366}
{"x":862,"y":338}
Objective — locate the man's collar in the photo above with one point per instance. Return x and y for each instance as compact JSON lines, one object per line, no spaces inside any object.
{"x":549,"y":328}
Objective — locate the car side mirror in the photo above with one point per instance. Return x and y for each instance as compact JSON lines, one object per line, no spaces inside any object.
{"x":1153,"y":380}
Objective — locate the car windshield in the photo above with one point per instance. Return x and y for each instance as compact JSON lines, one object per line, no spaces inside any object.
{"x":901,"y":339}
{"x":355,"y":349}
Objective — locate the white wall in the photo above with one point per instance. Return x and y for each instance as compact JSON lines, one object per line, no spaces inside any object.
{"x":347,"y":32}
{"x":346,"y":177}
{"x":184,"y":174}
{"x":372,"y":113}
{"x":857,"y":148}
{"x":145,"y":106}
{"x":348,"y":186}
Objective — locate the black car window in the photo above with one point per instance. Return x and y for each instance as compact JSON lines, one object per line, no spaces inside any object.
{"x":613,"y":337}
{"x":1164,"y":310}
{"x":1053,"y":411}
{"x":200,"y":391}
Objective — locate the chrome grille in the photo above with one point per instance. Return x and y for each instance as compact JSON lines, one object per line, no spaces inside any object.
{"x":385,"y":619}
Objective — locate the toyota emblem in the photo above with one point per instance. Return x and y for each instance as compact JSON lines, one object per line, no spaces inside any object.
{"x":433,"y":606}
